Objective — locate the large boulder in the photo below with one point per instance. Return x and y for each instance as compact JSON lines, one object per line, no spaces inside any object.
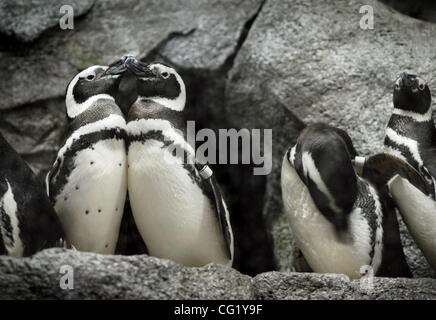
{"x":26,"y":20}
{"x":115,"y":277}
{"x":309,"y":61}
{"x":67,"y":274}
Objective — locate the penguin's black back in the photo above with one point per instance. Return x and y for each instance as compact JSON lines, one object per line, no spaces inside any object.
{"x":331,"y":150}
{"x":38,"y":223}
{"x":393,"y":262}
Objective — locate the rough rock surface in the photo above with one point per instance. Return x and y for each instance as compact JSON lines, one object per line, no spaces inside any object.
{"x":116,"y":277}
{"x":247,"y":64}
{"x":292,"y":69}
{"x":143,"y":277}
{"x":295,"y":286}
{"x":26,"y":20}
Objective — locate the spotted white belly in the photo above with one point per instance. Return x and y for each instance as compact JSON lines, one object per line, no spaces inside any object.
{"x":90,"y":206}
{"x":174,"y":218}
{"x":419,"y":214}
{"x":316,"y":236}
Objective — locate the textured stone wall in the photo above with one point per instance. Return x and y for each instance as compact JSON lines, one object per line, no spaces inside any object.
{"x":247,"y":64}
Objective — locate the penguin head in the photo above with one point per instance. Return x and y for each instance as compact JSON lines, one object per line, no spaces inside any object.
{"x":322,"y":159}
{"x":411,"y":93}
{"x":158,"y":82}
{"x":95,"y":82}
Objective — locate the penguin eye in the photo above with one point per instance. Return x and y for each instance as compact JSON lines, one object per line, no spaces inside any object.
{"x":165,"y":74}
{"x":90,"y":77}
{"x":397,"y":86}
{"x":421,"y":86}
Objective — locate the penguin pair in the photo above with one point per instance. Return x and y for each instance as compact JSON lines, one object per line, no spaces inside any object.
{"x":408,"y":166}
{"x":28,"y":222}
{"x":176,"y":203}
{"x":321,"y":198}
{"x":342,"y":222}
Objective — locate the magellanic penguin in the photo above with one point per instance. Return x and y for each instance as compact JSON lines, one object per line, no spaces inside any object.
{"x":176,"y":202}
{"x":340,"y":221}
{"x":28,"y":222}
{"x":88,"y":181}
{"x":411,"y":136}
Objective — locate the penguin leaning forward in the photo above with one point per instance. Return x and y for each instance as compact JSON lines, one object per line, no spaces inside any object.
{"x":28,"y":222}
{"x":408,"y":165}
{"x":88,"y":181}
{"x":176,"y":202}
{"x":341,"y":222}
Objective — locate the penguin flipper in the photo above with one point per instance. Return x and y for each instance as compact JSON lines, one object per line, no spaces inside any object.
{"x":394,"y":262}
{"x":50,"y":176}
{"x":221,"y":210}
{"x":429,"y":157}
{"x":382,"y":167}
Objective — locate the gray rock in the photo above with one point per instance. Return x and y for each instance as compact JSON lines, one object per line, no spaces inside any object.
{"x":186,"y":30}
{"x":26,"y":20}
{"x":309,"y":286}
{"x":98,"y":276}
{"x":298,"y":65}
{"x":116,"y":277}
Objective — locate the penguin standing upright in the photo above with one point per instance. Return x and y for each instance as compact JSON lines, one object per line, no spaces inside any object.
{"x":88,"y":181}
{"x":411,"y":136}
{"x":176,"y":202}
{"x":340,"y":221}
{"x":28,"y":222}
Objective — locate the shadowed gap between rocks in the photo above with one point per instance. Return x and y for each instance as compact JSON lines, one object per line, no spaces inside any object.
{"x":418,"y":9}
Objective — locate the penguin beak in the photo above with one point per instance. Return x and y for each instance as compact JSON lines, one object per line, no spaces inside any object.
{"x":139,"y":68}
{"x":408,"y":81}
{"x":115,"y":69}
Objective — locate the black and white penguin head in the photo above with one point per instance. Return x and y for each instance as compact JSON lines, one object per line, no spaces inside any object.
{"x":92,"y":84}
{"x":322,"y":158}
{"x":411,"y":93}
{"x":159,"y":83}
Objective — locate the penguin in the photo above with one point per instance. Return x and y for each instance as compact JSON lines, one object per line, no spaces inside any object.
{"x":176,"y":202}
{"x":340,"y":221}
{"x":411,"y":136}
{"x":28,"y":222}
{"x":88,"y":181}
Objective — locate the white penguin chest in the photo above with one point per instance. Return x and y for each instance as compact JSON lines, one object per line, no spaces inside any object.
{"x":316,"y":236}
{"x":91,"y":203}
{"x":176,"y":220}
{"x":419,"y":214}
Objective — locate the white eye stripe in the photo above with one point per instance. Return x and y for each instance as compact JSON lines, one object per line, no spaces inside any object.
{"x":421,"y":83}
{"x":73,"y":107}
